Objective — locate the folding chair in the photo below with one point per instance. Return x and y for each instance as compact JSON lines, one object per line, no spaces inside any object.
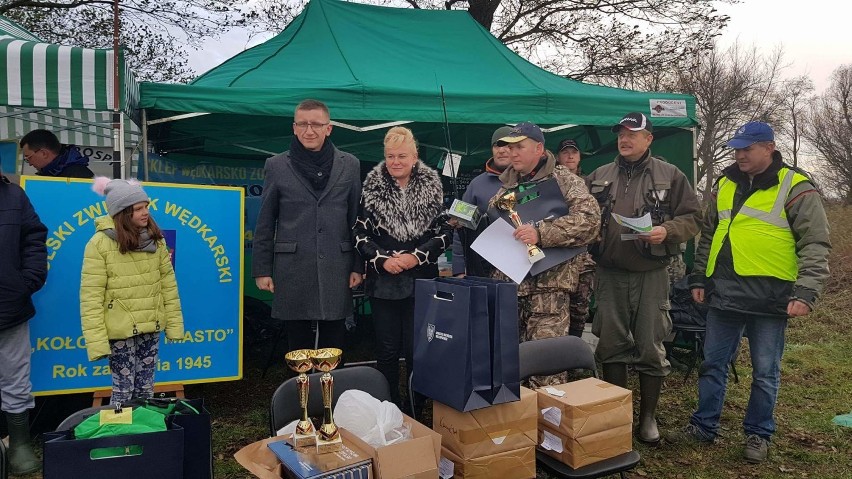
{"x":285,"y":401}
{"x":544,"y":357}
{"x":693,"y":336}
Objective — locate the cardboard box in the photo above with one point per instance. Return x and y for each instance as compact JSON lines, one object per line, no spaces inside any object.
{"x":258,"y":459}
{"x":488,"y":431}
{"x":416,"y":458}
{"x":517,"y":464}
{"x":588,"y":407}
{"x":589,"y":449}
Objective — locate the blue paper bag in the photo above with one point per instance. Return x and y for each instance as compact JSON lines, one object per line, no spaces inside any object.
{"x":452,"y":352}
{"x":503,"y":334}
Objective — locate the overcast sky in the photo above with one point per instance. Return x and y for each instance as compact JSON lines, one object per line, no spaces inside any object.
{"x":814,"y":34}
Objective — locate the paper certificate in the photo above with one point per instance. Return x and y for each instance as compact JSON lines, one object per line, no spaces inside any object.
{"x":497,"y":246}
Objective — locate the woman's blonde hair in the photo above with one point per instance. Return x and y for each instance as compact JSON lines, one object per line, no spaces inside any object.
{"x":399,"y":136}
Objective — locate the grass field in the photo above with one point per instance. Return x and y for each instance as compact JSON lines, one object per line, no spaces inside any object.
{"x":816,"y":386}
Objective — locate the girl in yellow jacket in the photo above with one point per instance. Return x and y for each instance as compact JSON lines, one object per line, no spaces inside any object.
{"x":128,"y":292}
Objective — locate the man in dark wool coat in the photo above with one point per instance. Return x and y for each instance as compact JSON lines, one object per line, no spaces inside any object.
{"x":303,"y":248}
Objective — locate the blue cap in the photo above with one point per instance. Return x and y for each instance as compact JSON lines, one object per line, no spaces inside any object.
{"x":522,"y":131}
{"x":751,"y":133}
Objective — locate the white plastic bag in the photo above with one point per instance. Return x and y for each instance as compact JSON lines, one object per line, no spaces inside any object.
{"x":378,"y":423}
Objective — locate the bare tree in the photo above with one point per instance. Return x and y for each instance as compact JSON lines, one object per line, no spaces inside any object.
{"x":829,"y":131}
{"x":581,"y":39}
{"x":731,"y":87}
{"x":794,"y":97}
{"x":155,"y":33}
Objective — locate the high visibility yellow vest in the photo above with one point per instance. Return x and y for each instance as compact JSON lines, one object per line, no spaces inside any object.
{"x":762,"y":243}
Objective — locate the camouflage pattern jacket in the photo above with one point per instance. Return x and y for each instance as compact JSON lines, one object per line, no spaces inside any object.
{"x":578,"y":228}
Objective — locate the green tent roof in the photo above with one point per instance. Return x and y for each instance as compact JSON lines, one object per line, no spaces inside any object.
{"x":377,"y":64}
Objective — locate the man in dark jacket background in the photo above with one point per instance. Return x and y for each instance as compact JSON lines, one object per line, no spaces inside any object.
{"x":23,"y":270}
{"x":569,"y":156}
{"x":479,"y":193}
{"x":43,"y":152}
{"x":304,"y":252}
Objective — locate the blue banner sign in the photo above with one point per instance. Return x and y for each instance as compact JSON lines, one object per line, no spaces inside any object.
{"x":245,"y":174}
{"x":203,"y":226}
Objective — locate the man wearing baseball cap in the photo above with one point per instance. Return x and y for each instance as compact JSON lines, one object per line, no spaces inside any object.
{"x":543,"y":299}
{"x":632,"y":281}
{"x":479,"y":192}
{"x":762,"y":258}
{"x":569,"y":157}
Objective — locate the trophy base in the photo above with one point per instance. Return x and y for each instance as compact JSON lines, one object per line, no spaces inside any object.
{"x":302,"y":440}
{"x":333,"y":445}
{"x":536,"y":257}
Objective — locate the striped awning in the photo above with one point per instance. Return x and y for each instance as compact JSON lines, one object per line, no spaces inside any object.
{"x":44,"y":75}
{"x":72,"y":127}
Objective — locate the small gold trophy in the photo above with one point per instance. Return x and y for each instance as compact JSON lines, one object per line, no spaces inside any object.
{"x":328,"y":437}
{"x":300,"y":361}
{"x":507,"y":203}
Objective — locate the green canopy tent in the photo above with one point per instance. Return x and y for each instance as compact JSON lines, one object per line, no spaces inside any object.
{"x":378,"y":66}
{"x":68,"y":90}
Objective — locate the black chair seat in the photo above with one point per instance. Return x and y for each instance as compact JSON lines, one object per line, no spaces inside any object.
{"x":555,"y":355}
{"x":613,"y":465}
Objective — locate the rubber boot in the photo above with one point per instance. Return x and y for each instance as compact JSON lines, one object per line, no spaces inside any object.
{"x":649,"y":395}
{"x":615,"y":373}
{"x":22,"y":458}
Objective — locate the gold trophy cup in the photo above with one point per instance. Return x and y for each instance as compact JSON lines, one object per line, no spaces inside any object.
{"x":328,"y":437}
{"x":300,"y":361}
{"x":507,"y":203}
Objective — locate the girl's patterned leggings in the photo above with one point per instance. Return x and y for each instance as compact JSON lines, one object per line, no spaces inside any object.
{"x":133,"y":362}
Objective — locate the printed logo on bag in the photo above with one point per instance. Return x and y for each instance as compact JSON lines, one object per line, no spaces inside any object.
{"x":432,"y":333}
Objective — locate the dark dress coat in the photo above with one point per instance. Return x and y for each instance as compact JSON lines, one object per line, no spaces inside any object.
{"x":303,"y":239}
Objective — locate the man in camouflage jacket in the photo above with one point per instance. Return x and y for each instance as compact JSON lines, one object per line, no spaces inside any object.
{"x":543,"y":300}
